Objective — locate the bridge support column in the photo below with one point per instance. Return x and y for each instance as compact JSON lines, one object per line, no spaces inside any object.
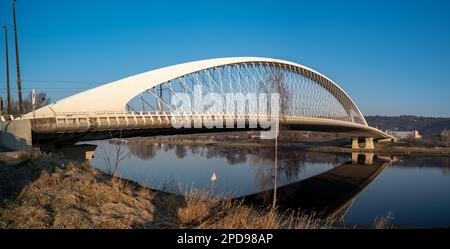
{"x":355,"y":143}
{"x":362,"y":158}
{"x":369,"y":144}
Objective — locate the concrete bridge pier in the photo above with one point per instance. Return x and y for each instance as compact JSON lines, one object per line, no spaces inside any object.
{"x":363,"y":158}
{"x":369,"y":145}
{"x":355,"y":143}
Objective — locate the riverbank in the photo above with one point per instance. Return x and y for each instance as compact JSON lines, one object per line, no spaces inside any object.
{"x":42,"y":191}
{"x":386,"y":150}
{"x":409,"y":148}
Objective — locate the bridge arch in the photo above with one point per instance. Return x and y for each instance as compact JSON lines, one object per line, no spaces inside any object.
{"x":311,"y":93}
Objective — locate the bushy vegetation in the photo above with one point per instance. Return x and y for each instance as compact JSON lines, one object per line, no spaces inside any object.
{"x":41,"y":100}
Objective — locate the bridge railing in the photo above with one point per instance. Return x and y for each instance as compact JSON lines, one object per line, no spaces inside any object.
{"x":83,"y":122}
{"x":132,"y":114}
{"x":129,"y":118}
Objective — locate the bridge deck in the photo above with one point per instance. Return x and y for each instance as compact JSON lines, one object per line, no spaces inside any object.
{"x":77,"y":127}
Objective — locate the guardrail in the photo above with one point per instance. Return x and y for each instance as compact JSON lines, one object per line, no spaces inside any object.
{"x":84,"y":122}
{"x":5,"y":118}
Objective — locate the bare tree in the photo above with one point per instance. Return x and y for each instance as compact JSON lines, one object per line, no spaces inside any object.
{"x":144,"y":149}
{"x":278,"y":85}
{"x":115,"y":154}
{"x":41,"y":100}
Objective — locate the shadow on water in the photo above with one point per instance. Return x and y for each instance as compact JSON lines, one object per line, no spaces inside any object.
{"x":327,"y":195}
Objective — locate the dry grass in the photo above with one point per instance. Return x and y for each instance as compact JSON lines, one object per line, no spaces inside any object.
{"x":64,"y":194}
{"x":203,"y":211}
{"x":75,"y":197}
{"x":198,"y":207}
{"x":384,"y":222}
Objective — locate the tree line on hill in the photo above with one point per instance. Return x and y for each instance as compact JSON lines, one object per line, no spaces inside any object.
{"x":427,"y":126}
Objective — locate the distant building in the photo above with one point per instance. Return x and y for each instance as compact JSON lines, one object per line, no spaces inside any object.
{"x":445,"y":135}
{"x":414,"y":134}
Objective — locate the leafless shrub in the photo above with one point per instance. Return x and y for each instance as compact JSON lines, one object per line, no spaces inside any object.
{"x":384,"y":222}
{"x":112,"y":156}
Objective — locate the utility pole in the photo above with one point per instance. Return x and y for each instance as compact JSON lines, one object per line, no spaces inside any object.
{"x":275,"y":189}
{"x":8,"y":93}
{"x":33,"y":101}
{"x":19,"y":81}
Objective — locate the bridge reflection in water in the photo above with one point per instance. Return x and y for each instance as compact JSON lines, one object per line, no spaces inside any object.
{"x":327,"y":195}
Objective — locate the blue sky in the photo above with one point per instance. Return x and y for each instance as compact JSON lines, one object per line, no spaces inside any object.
{"x":392,"y":57}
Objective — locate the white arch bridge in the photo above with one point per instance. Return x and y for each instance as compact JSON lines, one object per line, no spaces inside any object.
{"x":141,"y":105}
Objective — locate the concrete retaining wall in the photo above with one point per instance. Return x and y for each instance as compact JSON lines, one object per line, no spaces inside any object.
{"x":16,"y":135}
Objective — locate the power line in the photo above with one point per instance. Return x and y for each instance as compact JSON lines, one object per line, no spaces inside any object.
{"x":46,"y":90}
{"x":65,"y":81}
{"x":60,"y":81}
{"x":43,"y":88}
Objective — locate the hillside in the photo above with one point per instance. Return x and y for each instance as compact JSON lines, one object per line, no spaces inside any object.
{"x":425,"y":125}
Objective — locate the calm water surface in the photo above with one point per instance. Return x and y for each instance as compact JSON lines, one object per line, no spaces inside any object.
{"x":416,"y":192}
